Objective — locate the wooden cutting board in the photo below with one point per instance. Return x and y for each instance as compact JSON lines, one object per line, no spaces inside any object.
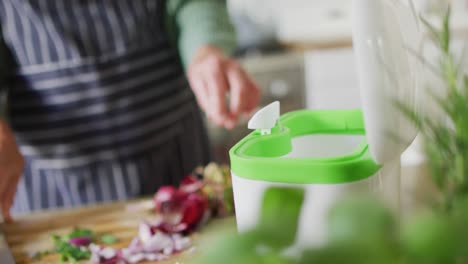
{"x":32,"y":233}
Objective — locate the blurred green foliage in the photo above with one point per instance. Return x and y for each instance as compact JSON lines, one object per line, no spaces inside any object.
{"x":361,"y":231}
{"x":446,"y":138}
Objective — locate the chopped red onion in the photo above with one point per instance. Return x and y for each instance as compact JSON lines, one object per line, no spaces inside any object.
{"x":168,"y":199}
{"x":194,"y":208}
{"x":158,"y":247}
{"x":80,"y":241}
{"x":189,"y":179}
{"x":191,"y":184}
{"x":145,"y":232}
{"x":94,"y":248}
{"x":95,"y":258}
{"x":108,"y":253}
{"x":155,"y":257}
{"x":168,"y":251}
{"x":135,"y":258}
{"x":150,"y":245}
{"x":181,"y":243}
{"x":184,"y":206}
{"x":135,"y":246}
{"x":157,"y":243}
{"x":168,"y":228}
{"x":182,"y":210}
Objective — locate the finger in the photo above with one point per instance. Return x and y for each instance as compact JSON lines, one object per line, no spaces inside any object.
{"x":217,"y":88}
{"x":3,"y":191}
{"x":208,"y":108}
{"x":9,"y":199}
{"x":240,"y":89}
{"x":6,"y":212}
{"x":4,"y":198}
{"x":253,"y":98}
{"x":198,"y":86}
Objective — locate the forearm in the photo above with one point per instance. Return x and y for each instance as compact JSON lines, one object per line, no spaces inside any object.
{"x":197,"y":23}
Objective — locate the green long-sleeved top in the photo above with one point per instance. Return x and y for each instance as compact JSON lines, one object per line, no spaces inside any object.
{"x":191,"y":24}
{"x":194,"y":23}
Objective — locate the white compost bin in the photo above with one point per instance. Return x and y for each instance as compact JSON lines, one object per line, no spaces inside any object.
{"x":331,"y":153}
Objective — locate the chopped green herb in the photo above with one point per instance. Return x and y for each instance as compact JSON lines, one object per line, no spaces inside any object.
{"x":108,"y":239}
{"x":69,"y":252}
{"x":79,"y":232}
{"x":39,"y":255}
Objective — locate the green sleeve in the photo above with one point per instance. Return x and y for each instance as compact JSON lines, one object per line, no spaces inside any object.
{"x":195,"y":23}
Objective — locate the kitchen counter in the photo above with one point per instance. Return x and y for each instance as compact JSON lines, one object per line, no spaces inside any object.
{"x":30,"y":234}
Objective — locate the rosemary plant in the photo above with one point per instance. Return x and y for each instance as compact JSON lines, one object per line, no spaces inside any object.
{"x":446,"y":139}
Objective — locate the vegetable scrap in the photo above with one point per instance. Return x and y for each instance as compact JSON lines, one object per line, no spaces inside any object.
{"x":151,"y":244}
{"x":73,"y":247}
{"x":202,"y":195}
{"x":68,"y":251}
{"x":108,"y":239}
{"x":205,"y":194}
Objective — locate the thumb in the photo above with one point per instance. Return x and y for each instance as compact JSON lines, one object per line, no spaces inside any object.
{"x":8,"y":198}
{"x":6,"y":212}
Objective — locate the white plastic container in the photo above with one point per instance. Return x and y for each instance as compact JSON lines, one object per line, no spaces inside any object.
{"x":331,"y":153}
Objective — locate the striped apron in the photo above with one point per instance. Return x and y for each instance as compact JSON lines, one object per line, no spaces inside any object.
{"x":98,"y":101}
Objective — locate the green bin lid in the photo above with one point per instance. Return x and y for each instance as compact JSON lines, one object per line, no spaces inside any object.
{"x":263,"y":157}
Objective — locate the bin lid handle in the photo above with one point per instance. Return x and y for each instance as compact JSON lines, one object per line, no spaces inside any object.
{"x":266,"y":118}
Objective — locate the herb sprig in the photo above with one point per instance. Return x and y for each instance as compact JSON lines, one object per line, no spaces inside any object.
{"x":69,"y":252}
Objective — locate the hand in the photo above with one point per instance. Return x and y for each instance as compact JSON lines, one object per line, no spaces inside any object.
{"x":11,"y":169}
{"x":212,"y":75}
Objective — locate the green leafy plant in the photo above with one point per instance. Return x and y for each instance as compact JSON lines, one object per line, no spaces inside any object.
{"x":446,"y":140}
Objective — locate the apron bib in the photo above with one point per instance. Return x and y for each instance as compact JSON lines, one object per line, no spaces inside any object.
{"x":98,"y":101}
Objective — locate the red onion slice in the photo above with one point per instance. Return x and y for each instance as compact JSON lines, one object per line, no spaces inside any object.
{"x":181,"y":243}
{"x":168,"y":228}
{"x":136,"y":258}
{"x":168,"y":199}
{"x":157,"y":243}
{"x":135,"y":246}
{"x":155,"y":257}
{"x":194,"y":208}
{"x":145,"y":232}
{"x":80,"y":241}
{"x":191,"y":184}
{"x":108,"y":253}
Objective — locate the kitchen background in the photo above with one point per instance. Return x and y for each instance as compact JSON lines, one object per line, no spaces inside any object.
{"x":300,"y":53}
